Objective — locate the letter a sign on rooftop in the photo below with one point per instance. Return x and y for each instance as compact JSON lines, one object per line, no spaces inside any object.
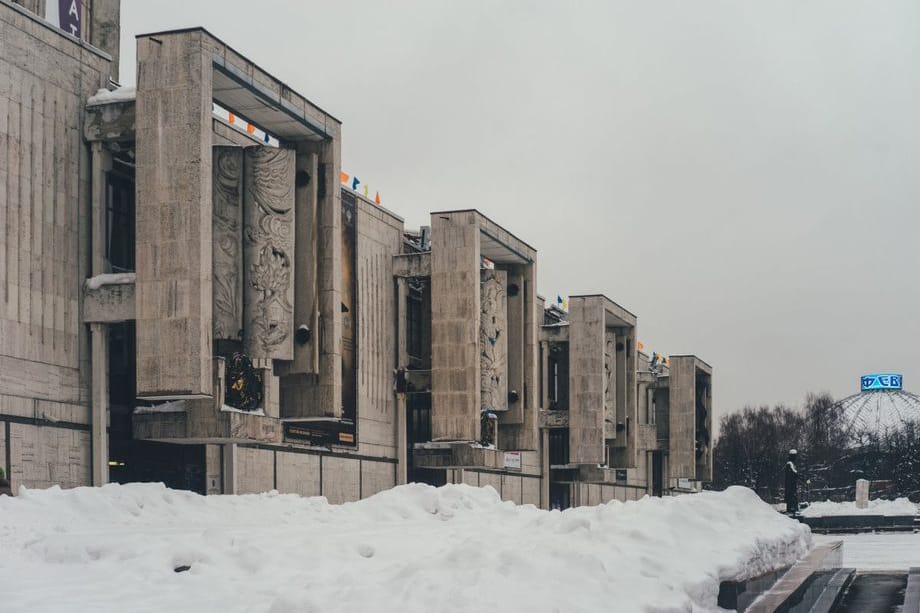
{"x":881,"y":381}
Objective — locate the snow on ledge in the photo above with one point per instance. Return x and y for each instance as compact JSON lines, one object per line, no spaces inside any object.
{"x":900,"y":506}
{"x":175,"y":406}
{"x":412,"y":549}
{"x":107,"y":96}
{"x":117,"y":278}
{"x":228,"y":409}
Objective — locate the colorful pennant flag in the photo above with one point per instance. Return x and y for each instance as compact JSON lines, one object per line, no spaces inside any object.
{"x":365,"y":190}
{"x":250,"y":128}
{"x":377,"y":198}
{"x":354,"y":184}
{"x":343,"y":177}
{"x":231,"y":117}
{"x":641,"y":345}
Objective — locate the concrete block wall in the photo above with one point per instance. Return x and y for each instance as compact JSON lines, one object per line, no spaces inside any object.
{"x":298,"y":473}
{"x":517,"y":487}
{"x":42,"y":456}
{"x":380,"y":235}
{"x":340,"y":478}
{"x":45,"y":78}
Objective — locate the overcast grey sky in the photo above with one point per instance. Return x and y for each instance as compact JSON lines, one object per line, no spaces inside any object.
{"x":741,"y":175}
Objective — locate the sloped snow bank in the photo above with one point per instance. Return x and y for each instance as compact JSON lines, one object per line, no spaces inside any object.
{"x":414,"y":548}
{"x":899,"y":506}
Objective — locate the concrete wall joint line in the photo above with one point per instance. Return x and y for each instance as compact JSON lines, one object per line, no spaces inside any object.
{"x":44,"y":423}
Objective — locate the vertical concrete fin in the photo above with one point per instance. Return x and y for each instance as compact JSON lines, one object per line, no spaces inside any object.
{"x":268,"y":253}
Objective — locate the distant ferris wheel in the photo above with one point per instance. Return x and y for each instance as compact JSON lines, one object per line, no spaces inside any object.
{"x":881,"y":406}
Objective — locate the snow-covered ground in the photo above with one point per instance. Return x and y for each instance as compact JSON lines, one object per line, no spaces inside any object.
{"x":901,"y":506}
{"x":884,"y":551}
{"x":413,"y":548}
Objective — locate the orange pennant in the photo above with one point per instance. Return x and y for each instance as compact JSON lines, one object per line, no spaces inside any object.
{"x":250,"y":128}
{"x":343,"y":177}
{"x":377,"y":198}
{"x":231,"y":117}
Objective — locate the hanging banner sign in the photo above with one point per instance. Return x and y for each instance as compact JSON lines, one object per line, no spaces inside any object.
{"x":881,"y":381}
{"x":65,"y":14}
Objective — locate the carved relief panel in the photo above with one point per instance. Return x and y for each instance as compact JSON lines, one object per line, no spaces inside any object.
{"x":268,"y":253}
{"x":227,"y":238}
{"x":493,"y":340}
{"x":610,"y":383}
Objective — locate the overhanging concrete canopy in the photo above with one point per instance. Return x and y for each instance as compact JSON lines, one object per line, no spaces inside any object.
{"x":235,"y":90}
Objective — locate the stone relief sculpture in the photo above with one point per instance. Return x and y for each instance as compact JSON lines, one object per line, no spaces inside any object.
{"x":610,"y":383}
{"x":268,"y":250}
{"x":493,"y":341}
{"x":227,"y":195}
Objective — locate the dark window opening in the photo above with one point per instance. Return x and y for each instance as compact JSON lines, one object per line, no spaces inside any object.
{"x":558,"y":376}
{"x":119,"y":218}
{"x":559,"y":447}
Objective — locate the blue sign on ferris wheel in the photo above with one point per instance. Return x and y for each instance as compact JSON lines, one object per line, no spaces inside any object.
{"x":881,"y":381}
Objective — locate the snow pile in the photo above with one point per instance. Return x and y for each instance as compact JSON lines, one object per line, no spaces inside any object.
{"x":414,"y":548}
{"x":110,"y":278}
{"x":108,"y":96}
{"x":901,"y":506}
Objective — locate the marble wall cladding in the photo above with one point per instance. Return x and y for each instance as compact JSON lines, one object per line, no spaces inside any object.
{"x":227,"y":194}
{"x":493,"y":340}
{"x":268,"y":252}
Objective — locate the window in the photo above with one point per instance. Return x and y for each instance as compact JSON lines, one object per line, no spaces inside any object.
{"x":119,"y":221}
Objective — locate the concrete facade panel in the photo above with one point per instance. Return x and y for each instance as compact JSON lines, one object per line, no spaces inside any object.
{"x":376,"y":477}
{"x":341,"y":479}
{"x":42,"y":456}
{"x":298,"y":473}
{"x":530,"y":491}
{"x":255,"y":470}
{"x":511,"y":488}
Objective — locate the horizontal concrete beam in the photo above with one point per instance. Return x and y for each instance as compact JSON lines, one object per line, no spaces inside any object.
{"x":456,"y":455}
{"x":554,"y":419}
{"x":108,"y":302}
{"x":201,"y":422}
{"x":412,"y":265}
{"x":109,"y":122}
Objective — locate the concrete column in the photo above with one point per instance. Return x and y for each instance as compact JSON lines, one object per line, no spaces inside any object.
{"x":306,"y":307}
{"x":402,"y":359}
{"x":455,"y":314}
{"x":329,"y":255}
{"x":544,"y":469}
{"x":101,"y":164}
{"x":173,"y":217}
{"x":544,"y":375}
{"x":229,"y":469}
{"x":586,"y":381}
{"x":104,"y":30}
{"x":100,"y":402}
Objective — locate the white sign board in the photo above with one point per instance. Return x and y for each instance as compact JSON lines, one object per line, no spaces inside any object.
{"x":684,"y":484}
{"x":512,"y":460}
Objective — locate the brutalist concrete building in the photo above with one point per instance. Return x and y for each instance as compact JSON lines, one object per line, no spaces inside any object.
{"x":188,"y":294}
